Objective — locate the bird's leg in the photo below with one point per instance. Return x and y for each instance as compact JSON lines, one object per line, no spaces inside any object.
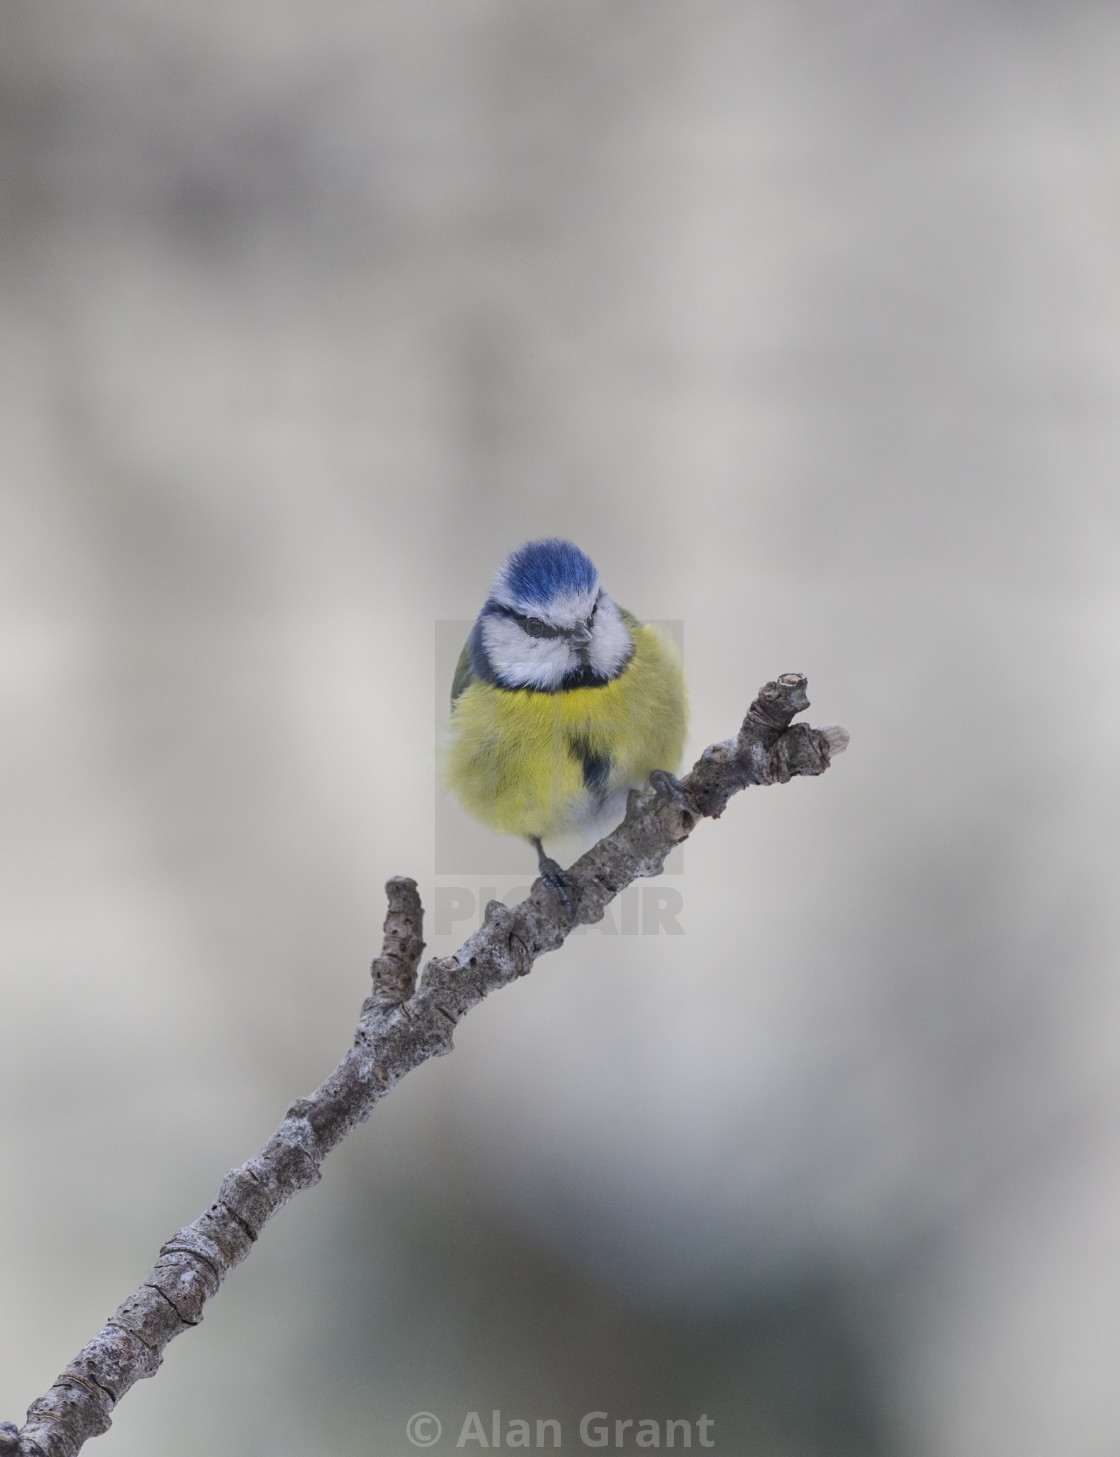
{"x":551,"y":872}
{"x":668,"y":786}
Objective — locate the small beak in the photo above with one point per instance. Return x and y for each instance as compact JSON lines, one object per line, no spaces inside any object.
{"x":581,"y":634}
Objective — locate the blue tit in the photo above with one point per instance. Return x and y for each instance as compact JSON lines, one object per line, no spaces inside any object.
{"x":562,"y":701}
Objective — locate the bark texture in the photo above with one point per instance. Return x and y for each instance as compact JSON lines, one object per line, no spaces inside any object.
{"x":401,"y":1025}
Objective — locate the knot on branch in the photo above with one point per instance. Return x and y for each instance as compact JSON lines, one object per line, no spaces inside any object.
{"x":497,"y":913}
{"x":777,"y":703}
{"x":800,"y":750}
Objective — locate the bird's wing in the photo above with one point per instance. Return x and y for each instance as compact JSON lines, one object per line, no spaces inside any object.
{"x":464,"y":674}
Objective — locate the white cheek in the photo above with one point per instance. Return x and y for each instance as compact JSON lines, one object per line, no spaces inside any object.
{"x":610,"y":641}
{"x":521,"y":660}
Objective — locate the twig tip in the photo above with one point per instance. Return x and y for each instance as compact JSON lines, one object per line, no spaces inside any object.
{"x":836,"y":737}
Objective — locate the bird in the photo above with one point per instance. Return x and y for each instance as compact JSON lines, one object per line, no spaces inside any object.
{"x":562,"y":702}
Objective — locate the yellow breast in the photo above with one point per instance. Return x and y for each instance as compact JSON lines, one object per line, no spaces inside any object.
{"x":533,"y":763}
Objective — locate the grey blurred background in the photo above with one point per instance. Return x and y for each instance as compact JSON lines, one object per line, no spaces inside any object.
{"x":804,"y":320}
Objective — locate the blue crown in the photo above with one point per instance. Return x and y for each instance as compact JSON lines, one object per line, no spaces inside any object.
{"x":540,"y":571}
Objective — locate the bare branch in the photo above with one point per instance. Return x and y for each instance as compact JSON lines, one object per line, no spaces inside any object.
{"x":402,"y":1025}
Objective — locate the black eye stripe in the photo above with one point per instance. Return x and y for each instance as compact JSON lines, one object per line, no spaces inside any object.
{"x":536,"y":628}
{"x":542,"y":629}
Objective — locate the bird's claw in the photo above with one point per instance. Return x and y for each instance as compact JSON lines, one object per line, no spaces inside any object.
{"x":668,"y":786}
{"x":556,"y":878}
